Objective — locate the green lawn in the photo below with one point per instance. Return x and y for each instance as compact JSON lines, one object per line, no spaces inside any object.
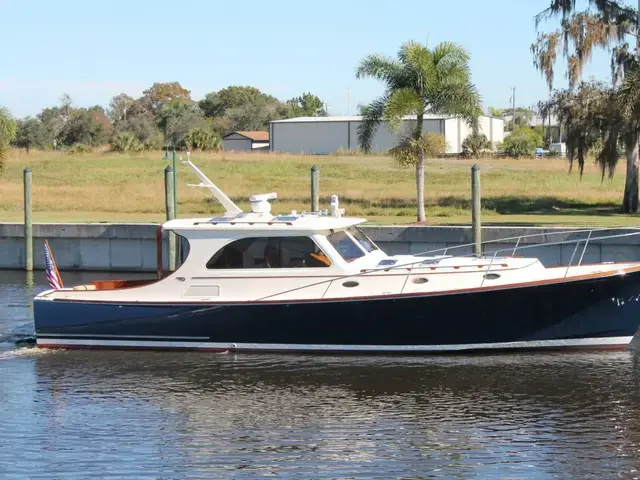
{"x":107,"y":187}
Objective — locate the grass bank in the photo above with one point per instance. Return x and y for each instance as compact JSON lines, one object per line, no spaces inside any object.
{"x":129,"y":188}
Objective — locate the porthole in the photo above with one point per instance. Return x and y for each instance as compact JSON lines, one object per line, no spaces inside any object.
{"x":350,"y":284}
{"x":492,"y":276}
{"x":420,"y":280}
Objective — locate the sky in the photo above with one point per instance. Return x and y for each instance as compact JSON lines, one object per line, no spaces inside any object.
{"x":95,"y":50}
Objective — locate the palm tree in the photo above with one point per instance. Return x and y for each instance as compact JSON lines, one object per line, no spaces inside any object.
{"x":420,"y":81}
{"x":7,"y":133}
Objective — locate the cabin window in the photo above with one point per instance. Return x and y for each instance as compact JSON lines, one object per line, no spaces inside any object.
{"x":345,"y":245}
{"x":269,"y":252}
{"x":364,"y":241}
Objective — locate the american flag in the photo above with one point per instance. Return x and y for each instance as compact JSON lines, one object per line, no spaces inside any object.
{"x":51,"y":271}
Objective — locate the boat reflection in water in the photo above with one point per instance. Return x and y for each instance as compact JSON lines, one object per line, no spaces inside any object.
{"x":540,"y":415}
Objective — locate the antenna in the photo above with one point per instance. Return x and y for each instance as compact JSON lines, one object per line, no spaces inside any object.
{"x":215,"y":191}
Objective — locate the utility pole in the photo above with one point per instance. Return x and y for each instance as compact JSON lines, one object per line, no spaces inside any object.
{"x":348,"y":99}
{"x":514,"y":107}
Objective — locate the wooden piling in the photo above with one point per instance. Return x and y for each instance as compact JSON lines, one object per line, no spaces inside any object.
{"x":475,"y":209}
{"x":315,"y":188}
{"x":169,"y":206}
{"x":28,"y":225}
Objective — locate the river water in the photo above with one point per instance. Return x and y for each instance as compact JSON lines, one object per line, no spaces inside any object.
{"x":113,"y":414}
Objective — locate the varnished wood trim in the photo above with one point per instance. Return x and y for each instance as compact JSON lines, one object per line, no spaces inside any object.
{"x":120,"y":284}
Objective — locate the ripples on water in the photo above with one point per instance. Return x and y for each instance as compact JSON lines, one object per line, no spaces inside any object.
{"x":79,"y":414}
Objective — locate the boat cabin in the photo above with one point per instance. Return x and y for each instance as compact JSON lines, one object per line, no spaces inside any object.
{"x":259,"y":240}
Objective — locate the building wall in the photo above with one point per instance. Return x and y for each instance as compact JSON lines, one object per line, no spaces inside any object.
{"x":456,"y":130}
{"x":309,"y":137}
{"x":451,"y":135}
{"x":498,"y":128}
{"x":328,"y":137}
{"x":384,"y":138}
{"x":237,"y":143}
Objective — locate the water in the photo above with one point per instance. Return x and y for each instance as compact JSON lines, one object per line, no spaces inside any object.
{"x":113,"y":414}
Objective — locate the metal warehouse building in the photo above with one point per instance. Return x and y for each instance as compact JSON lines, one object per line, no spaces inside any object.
{"x":323,"y":135}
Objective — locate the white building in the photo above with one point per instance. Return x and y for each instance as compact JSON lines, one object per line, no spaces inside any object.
{"x":245,"y":141}
{"x":323,"y":135}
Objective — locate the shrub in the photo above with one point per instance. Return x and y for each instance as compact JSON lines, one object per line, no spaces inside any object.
{"x":519,"y":144}
{"x":79,"y":149}
{"x":201,"y":139}
{"x":126,"y":142}
{"x":154,"y":143}
{"x":475,"y":144}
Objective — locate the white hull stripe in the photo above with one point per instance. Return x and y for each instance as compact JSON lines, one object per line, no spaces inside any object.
{"x":578,"y":342}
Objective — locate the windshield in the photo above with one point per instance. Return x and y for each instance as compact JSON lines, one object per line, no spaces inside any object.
{"x":345,"y":246}
{"x":362,"y":239}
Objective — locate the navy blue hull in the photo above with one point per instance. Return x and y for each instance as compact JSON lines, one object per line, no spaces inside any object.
{"x":594,"y":308}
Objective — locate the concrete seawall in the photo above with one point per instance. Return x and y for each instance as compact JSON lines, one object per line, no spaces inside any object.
{"x":132,"y":247}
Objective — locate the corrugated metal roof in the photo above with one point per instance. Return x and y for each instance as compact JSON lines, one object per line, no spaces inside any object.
{"x":256,"y":135}
{"x":357,"y":118}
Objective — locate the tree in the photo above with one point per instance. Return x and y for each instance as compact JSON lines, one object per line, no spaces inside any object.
{"x":583,"y":113}
{"x":161,"y":94}
{"x":55,"y":118}
{"x":217,"y":104}
{"x":605,"y":25}
{"x":85,"y":126}
{"x":243,"y":108}
{"x":119,"y":106}
{"x":420,"y":81}
{"x":30,"y":134}
{"x":143,"y":126}
{"x":7,"y":134}
{"x":307,"y":105}
{"x":176,"y":119}
{"x":520,"y":118}
{"x":252,"y":116}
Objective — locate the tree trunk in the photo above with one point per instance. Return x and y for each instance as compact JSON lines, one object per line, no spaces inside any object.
{"x":630,"y":199}
{"x":422,"y":217}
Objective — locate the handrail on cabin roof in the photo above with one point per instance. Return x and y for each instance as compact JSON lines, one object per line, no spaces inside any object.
{"x":521,"y":237}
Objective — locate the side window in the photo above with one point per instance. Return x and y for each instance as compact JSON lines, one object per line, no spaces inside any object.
{"x":269,"y":252}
